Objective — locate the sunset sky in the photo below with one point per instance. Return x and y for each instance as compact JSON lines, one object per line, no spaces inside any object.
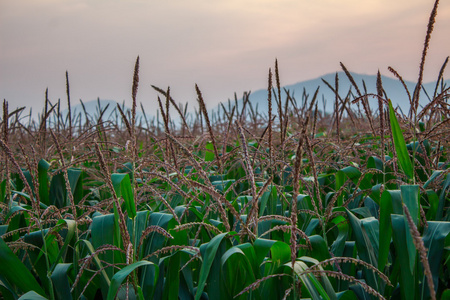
{"x":223,"y":46}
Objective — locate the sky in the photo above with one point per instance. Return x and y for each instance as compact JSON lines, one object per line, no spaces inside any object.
{"x":223,"y":46}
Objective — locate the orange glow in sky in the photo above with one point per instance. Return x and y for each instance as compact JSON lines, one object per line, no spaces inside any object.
{"x":223,"y":46}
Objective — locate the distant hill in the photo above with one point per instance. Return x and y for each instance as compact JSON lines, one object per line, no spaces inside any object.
{"x":94,"y":108}
{"x":393,"y":87}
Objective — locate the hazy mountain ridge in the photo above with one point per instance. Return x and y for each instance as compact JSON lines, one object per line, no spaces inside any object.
{"x":393,"y":87}
{"x":94,"y":108}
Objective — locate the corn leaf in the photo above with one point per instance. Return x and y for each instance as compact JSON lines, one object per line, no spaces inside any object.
{"x":172,"y":276}
{"x":407,"y":278}
{"x":410,"y":196}
{"x":209,"y":254}
{"x":434,"y":241}
{"x":120,"y":276}
{"x":366,"y":249}
{"x":32,"y":295}
{"x":60,"y":279}
{"x":43,"y":167}
{"x":209,"y":154}
{"x":122,"y":186}
{"x":103,"y":232}
{"x":71,"y":227}
{"x":12,"y":268}
{"x":400,"y":145}
{"x":237,"y":270}
{"x":385,"y":233}
{"x":105,"y":280}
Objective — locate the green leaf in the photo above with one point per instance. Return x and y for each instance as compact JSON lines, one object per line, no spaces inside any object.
{"x":319,"y":249}
{"x":443,"y":199}
{"x":120,"y":276}
{"x":314,"y":288}
{"x":208,"y":258}
{"x":434,"y":241}
{"x":222,"y":185}
{"x":122,"y":186}
{"x":76,"y":183}
{"x":269,"y":201}
{"x":103,"y":232}
{"x":433,"y":199}
{"x":366,"y":248}
{"x":446,"y":295}
{"x":172,"y":278}
{"x":325,"y":281}
{"x":105,"y":281}
{"x":58,"y":193}
{"x":338,"y":245}
{"x":319,"y":287}
{"x":340,"y":180}
{"x":43,"y":167}
{"x":407,"y":284}
{"x":136,"y":227}
{"x":60,"y":279}
{"x":280,"y":254}
{"x":436,"y":174}
{"x":32,"y":295}
{"x":15,"y":221}
{"x":12,"y":268}
{"x":71,"y":227}
{"x":346,"y":295}
{"x":410,"y":196}
{"x":400,"y":145}
{"x":153,"y":242}
{"x":6,"y":291}
{"x":280,"y":251}
{"x":354,"y":174}
{"x":38,"y":257}
{"x":237,"y":271}
{"x":385,"y":233}
{"x":250,"y":254}
{"x":209,"y":154}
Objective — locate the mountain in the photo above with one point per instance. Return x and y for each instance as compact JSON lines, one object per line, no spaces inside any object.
{"x":326,"y":97}
{"x":94,"y":108}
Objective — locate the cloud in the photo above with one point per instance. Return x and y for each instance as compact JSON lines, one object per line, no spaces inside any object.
{"x":221,"y":45}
